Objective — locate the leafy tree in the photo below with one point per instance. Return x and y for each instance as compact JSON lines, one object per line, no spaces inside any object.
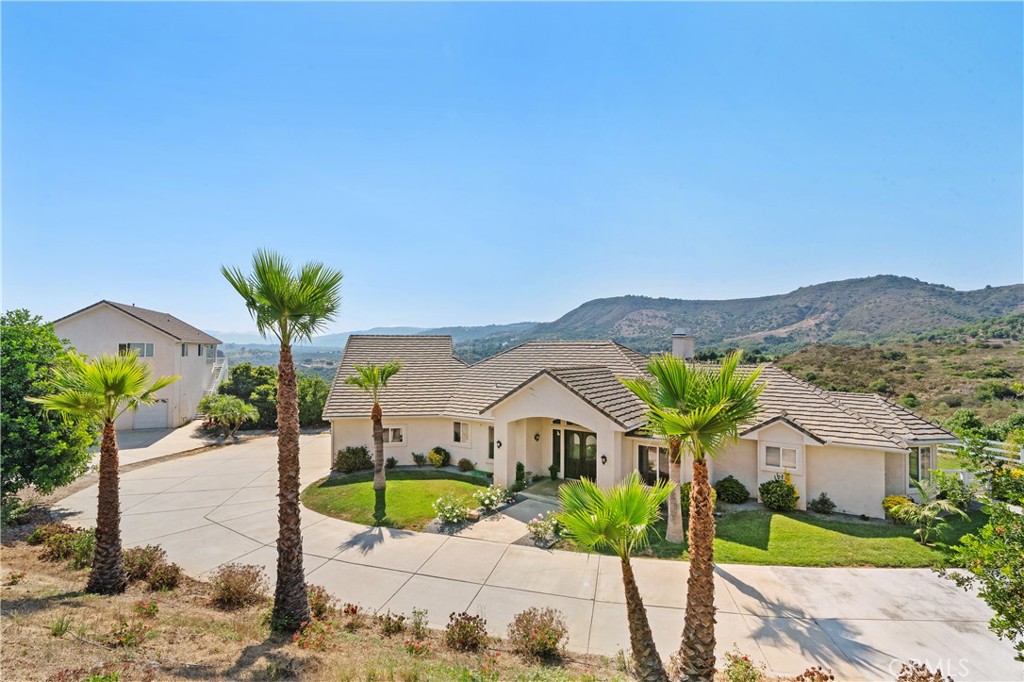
{"x":994,"y":559}
{"x":38,"y":450}
{"x":715,"y":404}
{"x":313,"y":392}
{"x":101,"y":390}
{"x":256,"y":385}
{"x":620,"y":519}
{"x":228,"y":412}
{"x":373,"y":379}
{"x":291,"y":305}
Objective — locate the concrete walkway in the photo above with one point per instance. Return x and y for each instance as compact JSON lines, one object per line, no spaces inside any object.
{"x":220,"y":506}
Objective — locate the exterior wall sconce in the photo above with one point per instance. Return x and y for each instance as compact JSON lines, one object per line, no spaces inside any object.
{"x":536,"y":436}
{"x":604,"y":459}
{"x":498,"y":444}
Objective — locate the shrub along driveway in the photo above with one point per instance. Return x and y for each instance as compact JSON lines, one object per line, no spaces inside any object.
{"x":220,"y":506}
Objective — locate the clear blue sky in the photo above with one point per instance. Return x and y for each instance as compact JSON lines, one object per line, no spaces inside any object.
{"x":466,"y":164}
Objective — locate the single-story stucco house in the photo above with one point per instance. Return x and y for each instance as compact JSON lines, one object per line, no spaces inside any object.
{"x":170,"y":345}
{"x":560,"y":402}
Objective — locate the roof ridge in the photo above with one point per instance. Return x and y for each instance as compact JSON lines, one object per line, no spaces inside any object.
{"x":622,"y":348}
{"x":896,"y":406}
{"x":840,"y":406}
{"x":401,"y":336}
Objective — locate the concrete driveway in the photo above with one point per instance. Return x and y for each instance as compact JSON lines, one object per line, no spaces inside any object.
{"x":219,"y":506}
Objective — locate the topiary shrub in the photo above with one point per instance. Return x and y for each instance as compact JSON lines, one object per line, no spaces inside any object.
{"x":439,"y":457}
{"x":778,"y":494}
{"x":353,"y":458}
{"x":466,"y":465}
{"x":684,"y":499}
{"x":730,"y":490}
{"x":538,"y":633}
{"x":822,"y":504}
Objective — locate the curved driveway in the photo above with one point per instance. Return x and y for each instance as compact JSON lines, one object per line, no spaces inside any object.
{"x":220,"y":506}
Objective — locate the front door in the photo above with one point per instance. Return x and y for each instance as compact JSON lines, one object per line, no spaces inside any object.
{"x":580,"y":455}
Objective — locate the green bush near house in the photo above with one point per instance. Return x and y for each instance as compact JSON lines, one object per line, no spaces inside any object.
{"x":353,"y":458}
{"x":730,"y":490}
{"x":439,"y":457}
{"x":778,"y":494}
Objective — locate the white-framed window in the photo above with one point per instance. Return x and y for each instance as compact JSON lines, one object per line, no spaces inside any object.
{"x":145,"y":350}
{"x":461,"y":433}
{"x":394,"y":435}
{"x":184,"y":350}
{"x":781,"y":457}
{"x":920,"y":464}
{"x":652,"y":463}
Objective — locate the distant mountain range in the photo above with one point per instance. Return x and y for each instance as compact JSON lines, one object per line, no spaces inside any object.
{"x":847,"y":311}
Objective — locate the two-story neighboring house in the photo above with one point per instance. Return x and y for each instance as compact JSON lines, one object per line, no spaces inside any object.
{"x":170,"y":345}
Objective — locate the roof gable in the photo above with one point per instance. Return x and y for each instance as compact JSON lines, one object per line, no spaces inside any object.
{"x":177,"y":329}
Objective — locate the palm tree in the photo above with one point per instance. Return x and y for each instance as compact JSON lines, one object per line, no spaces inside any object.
{"x":102,"y":390}
{"x":373,"y":379}
{"x":929,"y":516}
{"x":668,"y":390}
{"x":713,"y":406}
{"x":620,"y":518}
{"x":292,"y":306}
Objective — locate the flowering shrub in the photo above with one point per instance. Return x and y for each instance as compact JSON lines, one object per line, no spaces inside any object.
{"x":465,"y":632}
{"x":313,"y":634}
{"x":490,"y":498}
{"x":1008,"y":484}
{"x":391,"y":623}
{"x":147,"y":608}
{"x":919,"y":672}
{"x":542,"y":527}
{"x":321,"y":603}
{"x":354,"y":617}
{"x":892,"y":502}
{"x":139,"y":561}
{"x":419,"y":623}
{"x":779,"y":494}
{"x":439,"y":457}
{"x":816,"y":674}
{"x":739,"y":668}
{"x":451,"y":509}
{"x":540,"y":633}
{"x":164,"y":576}
{"x":417,"y":647}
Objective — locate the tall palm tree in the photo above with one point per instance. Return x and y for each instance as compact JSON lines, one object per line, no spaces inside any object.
{"x":373,"y":379}
{"x":669,"y":390}
{"x":620,"y":518}
{"x":291,"y":305}
{"x":102,"y":390}
{"x":714,"y":406}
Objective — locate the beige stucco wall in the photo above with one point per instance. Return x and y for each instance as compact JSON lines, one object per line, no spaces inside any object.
{"x":854,"y":478}
{"x":101,"y":329}
{"x":896,"y":473}
{"x":421,"y":434}
{"x":530,"y":411}
{"x":783,"y":435}
{"x":738,"y":458}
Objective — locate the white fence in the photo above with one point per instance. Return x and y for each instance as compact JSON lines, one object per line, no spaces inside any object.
{"x":993,"y":448}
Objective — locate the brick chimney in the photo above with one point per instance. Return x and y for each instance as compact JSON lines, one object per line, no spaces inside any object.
{"x":682,"y":344}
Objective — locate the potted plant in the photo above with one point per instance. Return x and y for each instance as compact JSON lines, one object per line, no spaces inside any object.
{"x":553,"y":470}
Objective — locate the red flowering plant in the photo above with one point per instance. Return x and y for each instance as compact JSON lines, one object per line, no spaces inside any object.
{"x":313,"y":634}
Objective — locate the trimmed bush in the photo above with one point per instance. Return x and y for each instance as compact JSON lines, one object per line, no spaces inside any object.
{"x":893,"y":501}
{"x":539,"y":633}
{"x":353,"y":458}
{"x":822,"y":504}
{"x":466,"y":465}
{"x":465,"y":632}
{"x":730,"y":490}
{"x":520,"y":473}
{"x":684,"y":499}
{"x":390,"y":463}
{"x":439,"y":457}
{"x":419,"y":459}
{"x":139,"y":561}
{"x":238,"y":585}
{"x":779,"y":494}
{"x":164,"y":576}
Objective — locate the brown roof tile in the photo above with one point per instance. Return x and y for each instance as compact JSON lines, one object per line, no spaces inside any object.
{"x":165,"y":322}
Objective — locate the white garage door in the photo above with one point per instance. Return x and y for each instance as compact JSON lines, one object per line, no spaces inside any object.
{"x":152,"y":416}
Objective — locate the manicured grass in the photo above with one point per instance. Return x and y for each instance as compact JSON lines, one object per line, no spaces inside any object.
{"x":410,"y":496}
{"x":801,"y":539}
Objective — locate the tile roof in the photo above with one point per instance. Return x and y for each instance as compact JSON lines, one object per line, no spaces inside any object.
{"x":421,"y":388}
{"x":434,"y":383}
{"x":165,"y":322}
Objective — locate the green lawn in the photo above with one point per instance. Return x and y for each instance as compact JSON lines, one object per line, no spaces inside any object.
{"x":800,"y":539}
{"x":410,"y":496}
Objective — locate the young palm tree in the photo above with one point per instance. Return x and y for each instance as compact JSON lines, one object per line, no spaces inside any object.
{"x":373,"y":379}
{"x":103,"y":389}
{"x":669,"y":389}
{"x":620,"y":518}
{"x":290,"y":305}
{"x":714,"y":405}
{"x":929,"y":516}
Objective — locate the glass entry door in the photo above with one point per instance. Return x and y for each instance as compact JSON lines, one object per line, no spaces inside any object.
{"x":580,"y":455}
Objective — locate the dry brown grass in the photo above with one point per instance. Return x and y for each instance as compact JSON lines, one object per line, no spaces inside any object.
{"x":190,"y":640}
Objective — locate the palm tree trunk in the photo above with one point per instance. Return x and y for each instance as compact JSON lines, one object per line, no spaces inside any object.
{"x":107,"y":575}
{"x":291,"y":605}
{"x":378,"y":447}
{"x":646,"y":660}
{"x":697,"y":652}
{"x":674,"y":532}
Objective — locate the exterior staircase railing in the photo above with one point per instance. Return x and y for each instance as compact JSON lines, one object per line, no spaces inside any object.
{"x":218,"y":373}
